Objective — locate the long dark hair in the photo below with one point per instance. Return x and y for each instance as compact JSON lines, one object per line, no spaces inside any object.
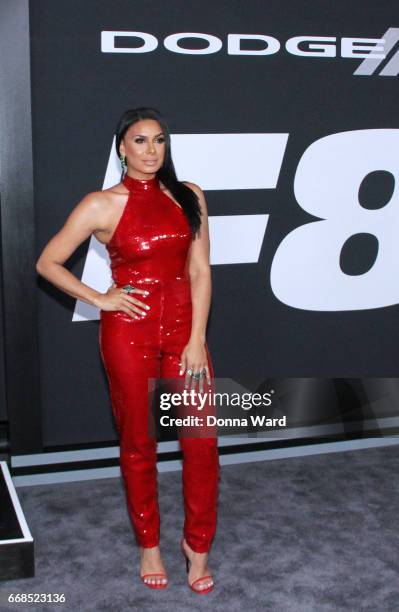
{"x":167,"y":173}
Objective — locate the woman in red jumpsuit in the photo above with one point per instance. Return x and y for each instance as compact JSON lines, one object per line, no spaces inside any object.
{"x":152,"y":326}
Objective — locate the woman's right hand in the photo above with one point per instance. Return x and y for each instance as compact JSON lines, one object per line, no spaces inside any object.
{"x":116,"y":299}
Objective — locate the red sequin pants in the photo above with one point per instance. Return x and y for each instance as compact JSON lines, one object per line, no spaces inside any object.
{"x":134,"y":350}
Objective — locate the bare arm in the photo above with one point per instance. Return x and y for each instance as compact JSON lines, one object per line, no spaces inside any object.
{"x":82,"y":222}
{"x":87,"y":217}
{"x":200,"y":272}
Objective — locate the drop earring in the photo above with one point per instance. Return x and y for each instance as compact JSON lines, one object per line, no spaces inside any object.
{"x":123,"y":163}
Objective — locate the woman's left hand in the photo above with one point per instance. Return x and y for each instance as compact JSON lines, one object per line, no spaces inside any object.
{"x":194,"y":360}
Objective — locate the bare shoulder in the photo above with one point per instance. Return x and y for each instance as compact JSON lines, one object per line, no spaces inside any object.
{"x":90,"y":209}
{"x":98,"y":202}
{"x":116,"y":190}
{"x":94,"y":200}
{"x":196,"y":188}
{"x":200,"y":195}
{"x":96,"y":210}
{"x":99,"y":198}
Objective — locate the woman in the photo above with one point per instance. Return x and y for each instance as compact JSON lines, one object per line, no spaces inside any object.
{"x":152,"y":325}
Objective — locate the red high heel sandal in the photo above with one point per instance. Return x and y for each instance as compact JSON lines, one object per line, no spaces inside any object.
{"x":209,"y":588}
{"x":154,"y":585}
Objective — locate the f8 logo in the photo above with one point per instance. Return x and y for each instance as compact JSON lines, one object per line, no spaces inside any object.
{"x":305,"y":271}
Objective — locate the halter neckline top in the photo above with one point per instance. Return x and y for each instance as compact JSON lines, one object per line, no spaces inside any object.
{"x":138,"y":185}
{"x":151,"y":240}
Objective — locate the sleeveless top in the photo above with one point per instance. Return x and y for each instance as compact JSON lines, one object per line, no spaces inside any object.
{"x":151,"y":241}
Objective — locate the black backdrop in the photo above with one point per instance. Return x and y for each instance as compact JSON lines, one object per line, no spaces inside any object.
{"x":78,"y":93}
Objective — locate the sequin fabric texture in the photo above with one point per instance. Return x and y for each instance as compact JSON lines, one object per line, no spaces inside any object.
{"x":149,"y":250}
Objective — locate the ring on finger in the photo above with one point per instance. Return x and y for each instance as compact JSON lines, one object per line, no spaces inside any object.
{"x":128,"y":288}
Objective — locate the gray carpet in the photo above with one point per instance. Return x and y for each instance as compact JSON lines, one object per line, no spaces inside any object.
{"x":318,"y":533}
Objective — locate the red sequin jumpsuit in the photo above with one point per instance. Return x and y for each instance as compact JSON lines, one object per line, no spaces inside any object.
{"x":149,"y":250}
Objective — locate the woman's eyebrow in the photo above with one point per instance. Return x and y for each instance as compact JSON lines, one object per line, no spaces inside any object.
{"x":143,"y":135}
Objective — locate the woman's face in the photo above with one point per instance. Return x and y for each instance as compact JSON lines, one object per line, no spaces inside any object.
{"x":144,"y":148}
